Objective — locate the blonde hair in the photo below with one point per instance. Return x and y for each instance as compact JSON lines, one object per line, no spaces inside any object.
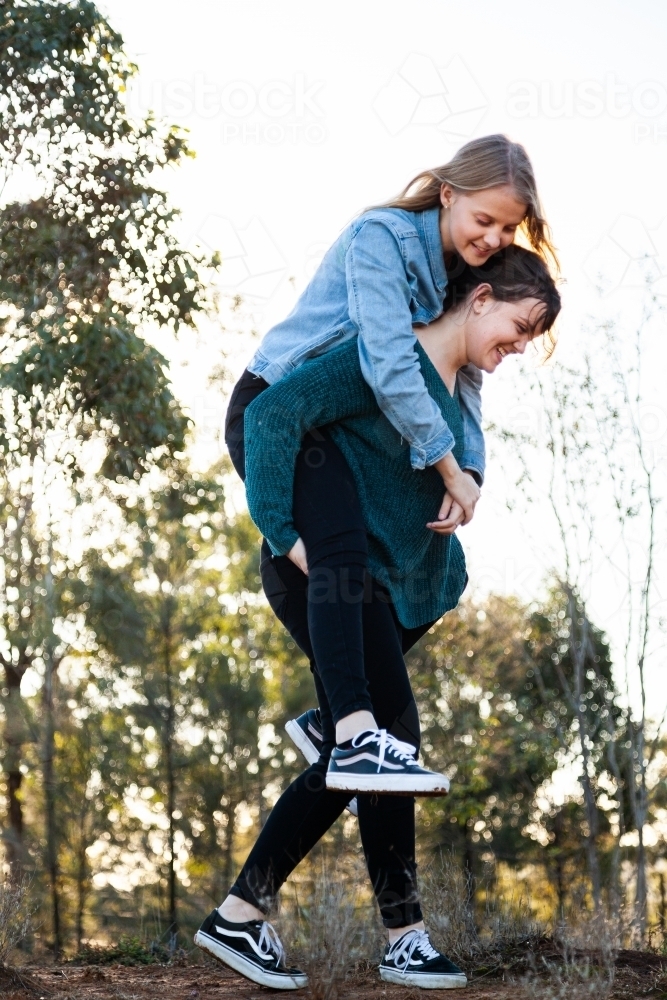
{"x":482,"y":163}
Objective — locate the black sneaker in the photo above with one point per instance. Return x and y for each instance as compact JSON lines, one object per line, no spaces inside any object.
{"x":306,"y":734}
{"x":376,"y":762}
{"x":413,"y":961}
{"x":252,"y":948}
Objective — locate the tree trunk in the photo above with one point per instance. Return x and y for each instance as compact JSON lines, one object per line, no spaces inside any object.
{"x":263,"y":806}
{"x":168,"y":745}
{"x":561,"y":891}
{"x":616,"y":886}
{"x":639,"y":802}
{"x":15,"y":735}
{"x":48,"y":772}
{"x":578,"y":649}
{"x":81,"y":881}
{"x":641,"y":892}
{"x":228,"y":858}
{"x":171,"y":805}
{"x":469,"y":871}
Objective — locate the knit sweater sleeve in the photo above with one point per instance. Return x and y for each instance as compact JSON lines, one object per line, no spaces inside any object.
{"x":321,"y":391}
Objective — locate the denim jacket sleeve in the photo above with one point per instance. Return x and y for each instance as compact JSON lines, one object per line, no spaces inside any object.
{"x":379,"y":304}
{"x":469,"y":380}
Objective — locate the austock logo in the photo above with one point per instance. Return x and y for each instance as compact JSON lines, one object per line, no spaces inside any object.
{"x":629,"y":256}
{"x":252,"y":264}
{"x":270,"y":113}
{"x":447,"y":98}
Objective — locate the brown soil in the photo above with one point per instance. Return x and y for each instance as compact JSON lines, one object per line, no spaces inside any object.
{"x":638,"y":975}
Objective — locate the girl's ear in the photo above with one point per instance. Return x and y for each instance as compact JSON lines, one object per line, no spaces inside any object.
{"x":446,"y":195}
{"x":481,"y":298}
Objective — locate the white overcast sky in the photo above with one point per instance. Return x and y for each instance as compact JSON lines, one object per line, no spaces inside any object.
{"x":303,"y":113}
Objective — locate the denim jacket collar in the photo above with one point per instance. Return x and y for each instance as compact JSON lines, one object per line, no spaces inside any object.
{"x":429,"y":224}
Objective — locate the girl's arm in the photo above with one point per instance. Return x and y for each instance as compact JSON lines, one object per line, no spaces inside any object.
{"x":470,"y":396}
{"x":319,"y":392}
{"x":378,"y":267}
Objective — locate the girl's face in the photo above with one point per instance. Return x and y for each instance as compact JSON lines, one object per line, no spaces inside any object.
{"x":495,"y":329}
{"x":476,"y":224}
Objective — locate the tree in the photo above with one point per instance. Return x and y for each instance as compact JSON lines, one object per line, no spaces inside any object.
{"x":197,"y":689}
{"x":572,"y":670}
{"x":494,"y":685}
{"x":483,"y":724}
{"x":21,"y":576}
{"x":96,"y":760}
{"x":82,"y":266}
{"x":602,"y":488}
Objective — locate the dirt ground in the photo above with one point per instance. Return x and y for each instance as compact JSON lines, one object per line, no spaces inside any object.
{"x":638,"y":975}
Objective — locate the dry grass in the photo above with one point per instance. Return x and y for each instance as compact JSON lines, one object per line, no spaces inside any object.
{"x":14,"y":916}
{"x":579,"y":964}
{"x":508,"y":932}
{"x":330,"y":932}
{"x":572,"y":975}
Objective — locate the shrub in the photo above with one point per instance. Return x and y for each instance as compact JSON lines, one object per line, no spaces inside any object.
{"x":14,"y":916}
{"x":330,"y":933}
{"x":127,"y":951}
{"x":508,"y":930}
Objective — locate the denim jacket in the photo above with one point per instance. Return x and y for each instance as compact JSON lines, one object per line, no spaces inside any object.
{"x":384,"y":273}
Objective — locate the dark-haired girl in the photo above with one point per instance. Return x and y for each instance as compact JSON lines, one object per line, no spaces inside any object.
{"x":415,"y":572}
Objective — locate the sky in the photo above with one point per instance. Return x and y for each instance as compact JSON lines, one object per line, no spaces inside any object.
{"x":302,"y":114}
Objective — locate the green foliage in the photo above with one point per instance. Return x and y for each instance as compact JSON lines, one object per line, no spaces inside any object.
{"x":62,"y":65}
{"x":192,"y":668}
{"x":94,"y":378}
{"x":91,"y":258}
{"x":483,"y":724}
{"x":493,"y":686}
{"x":127,"y":951}
{"x":84,"y":266}
{"x":553,"y":675}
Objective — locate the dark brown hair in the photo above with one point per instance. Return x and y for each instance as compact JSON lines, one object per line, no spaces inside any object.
{"x":490,"y":161}
{"x":513,"y":273}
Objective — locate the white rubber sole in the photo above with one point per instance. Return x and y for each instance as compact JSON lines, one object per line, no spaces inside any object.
{"x":424,"y":981}
{"x":233,"y":960}
{"x":301,"y":741}
{"x":388,"y":784}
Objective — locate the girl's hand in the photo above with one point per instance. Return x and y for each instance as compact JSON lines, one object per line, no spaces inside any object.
{"x":450,"y":516}
{"x":298,"y":556}
{"x":460,"y":487}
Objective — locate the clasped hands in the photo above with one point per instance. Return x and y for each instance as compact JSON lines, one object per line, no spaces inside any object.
{"x":460,"y":499}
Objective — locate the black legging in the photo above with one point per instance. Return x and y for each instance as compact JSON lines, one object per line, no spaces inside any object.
{"x":326,"y":513}
{"x":327,"y":516}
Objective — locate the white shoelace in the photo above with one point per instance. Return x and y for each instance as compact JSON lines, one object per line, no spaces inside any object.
{"x":404,"y":751}
{"x":270,"y":944}
{"x":401,"y":951}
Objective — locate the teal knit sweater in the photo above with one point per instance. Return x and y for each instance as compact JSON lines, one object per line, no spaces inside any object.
{"x":424,"y":572}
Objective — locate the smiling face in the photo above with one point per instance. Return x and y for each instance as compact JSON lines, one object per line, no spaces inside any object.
{"x":494,"y":329}
{"x":476,"y":224}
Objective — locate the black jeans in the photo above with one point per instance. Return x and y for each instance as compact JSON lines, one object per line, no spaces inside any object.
{"x":306,"y":809}
{"x":325,"y":499}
